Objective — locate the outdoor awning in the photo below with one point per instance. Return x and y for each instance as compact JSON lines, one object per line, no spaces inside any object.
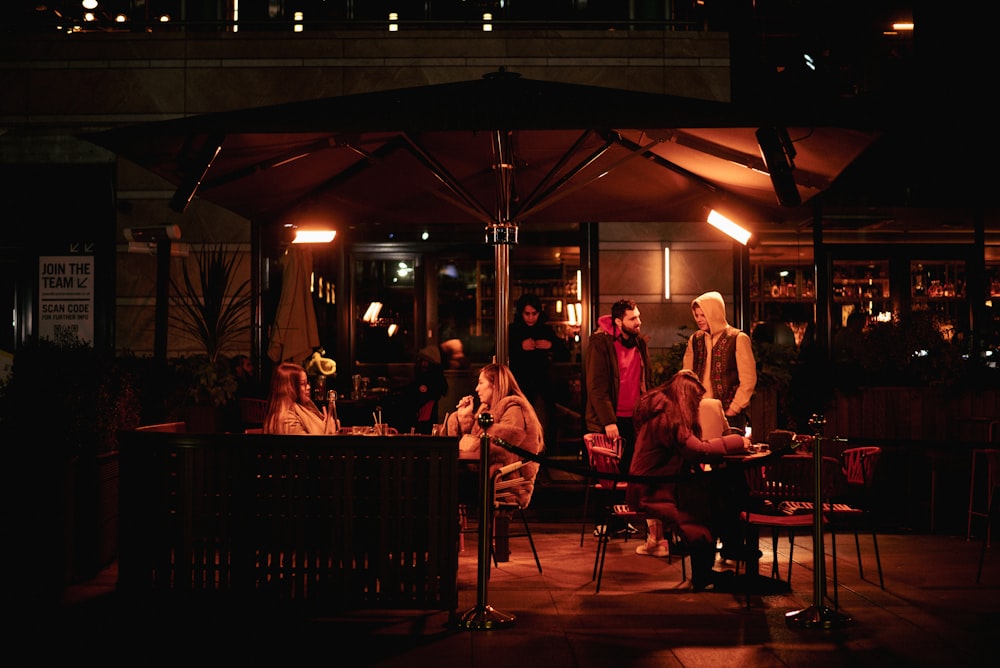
{"x":498,"y":148}
{"x":499,"y":151}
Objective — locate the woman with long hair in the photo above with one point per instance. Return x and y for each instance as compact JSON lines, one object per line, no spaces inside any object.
{"x":669,"y":443}
{"x":290,"y":409}
{"x":514,"y":421}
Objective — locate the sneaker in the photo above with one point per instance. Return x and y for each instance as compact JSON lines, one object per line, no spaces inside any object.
{"x":649,"y":549}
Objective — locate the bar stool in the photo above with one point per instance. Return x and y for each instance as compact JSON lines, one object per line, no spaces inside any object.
{"x":991,"y":474}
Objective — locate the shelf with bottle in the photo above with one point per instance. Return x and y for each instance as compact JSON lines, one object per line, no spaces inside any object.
{"x":937,"y":281}
{"x":782,"y":283}
{"x":860,"y":280}
{"x":551,"y":284}
{"x":993,"y":279}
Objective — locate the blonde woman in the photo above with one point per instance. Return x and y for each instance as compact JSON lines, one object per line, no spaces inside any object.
{"x":514,"y":421}
{"x":290,"y":409}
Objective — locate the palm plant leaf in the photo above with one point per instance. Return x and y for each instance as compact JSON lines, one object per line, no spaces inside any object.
{"x":211,"y":307}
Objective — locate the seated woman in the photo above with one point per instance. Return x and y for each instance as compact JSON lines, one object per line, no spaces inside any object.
{"x":712,"y":419}
{"x":669,"y":443}
{"x":290,"y":409}
{"x":514,"y":421}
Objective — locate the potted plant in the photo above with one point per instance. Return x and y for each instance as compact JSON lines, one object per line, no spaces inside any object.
{"x":213,"y":308}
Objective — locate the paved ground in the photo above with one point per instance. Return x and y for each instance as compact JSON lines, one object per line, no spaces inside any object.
{"x":931,"y":613}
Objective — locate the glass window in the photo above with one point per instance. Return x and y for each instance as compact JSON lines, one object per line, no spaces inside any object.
{"x":384,"y":308}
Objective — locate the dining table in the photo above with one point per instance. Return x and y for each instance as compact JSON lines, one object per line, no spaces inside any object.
{"x":752,"y":581}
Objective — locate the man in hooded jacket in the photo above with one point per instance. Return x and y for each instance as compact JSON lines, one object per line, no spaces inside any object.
{"x":722,"y":358}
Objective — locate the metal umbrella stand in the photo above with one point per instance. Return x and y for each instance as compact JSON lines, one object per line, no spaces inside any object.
{"x":484,"y":616}
{"x":817,"y":615}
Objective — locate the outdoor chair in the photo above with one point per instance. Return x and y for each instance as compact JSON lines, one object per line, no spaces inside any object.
{"x":993,"y":457}
{"x":780,"y":498}
{"x":505,"y":499}
{"x":854,"y":505}
{"x":608,"y":460}
{"x":605,"y":487}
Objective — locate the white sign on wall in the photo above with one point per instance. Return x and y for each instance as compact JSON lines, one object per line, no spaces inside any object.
{"x":66,"y":297}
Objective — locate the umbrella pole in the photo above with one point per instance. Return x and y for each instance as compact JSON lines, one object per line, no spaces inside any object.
{"x":484,"y":616}
{"x":503,"y":235}
{"x":817,"y":615}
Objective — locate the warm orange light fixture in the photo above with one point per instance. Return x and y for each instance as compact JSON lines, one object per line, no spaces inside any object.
{"x":314,"y":236}
{"x":720,"y":222}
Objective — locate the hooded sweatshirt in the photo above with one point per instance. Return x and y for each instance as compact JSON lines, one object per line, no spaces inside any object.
{"x":722,"y":357}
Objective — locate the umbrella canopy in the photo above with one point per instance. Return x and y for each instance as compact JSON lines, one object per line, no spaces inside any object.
{"x":499,"y":151}
{"x":502,"y":148}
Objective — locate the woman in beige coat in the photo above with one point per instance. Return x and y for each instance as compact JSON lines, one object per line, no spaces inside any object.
{"x":514,"y":421}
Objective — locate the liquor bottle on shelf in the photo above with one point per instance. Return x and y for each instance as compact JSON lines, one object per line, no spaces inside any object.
{"x":918,"y":281}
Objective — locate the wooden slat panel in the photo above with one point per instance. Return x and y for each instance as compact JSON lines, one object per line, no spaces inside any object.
{"x":336,"y":522}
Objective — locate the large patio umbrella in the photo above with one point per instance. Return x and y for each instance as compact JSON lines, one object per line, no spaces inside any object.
{"x":497,"y":152}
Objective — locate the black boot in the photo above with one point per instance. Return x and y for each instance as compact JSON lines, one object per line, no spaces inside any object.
{"x":702,"y":560}
{"x":703,"y":578}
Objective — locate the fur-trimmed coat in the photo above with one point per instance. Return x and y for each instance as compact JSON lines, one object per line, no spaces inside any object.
{"x":512,"y":423}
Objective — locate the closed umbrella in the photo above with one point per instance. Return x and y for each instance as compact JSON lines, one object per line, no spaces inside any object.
{"x":294,"y":333}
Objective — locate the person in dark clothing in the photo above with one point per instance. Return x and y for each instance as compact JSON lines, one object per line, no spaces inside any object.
{"x":428,"y":386}
{"x":534,"y":345}
{"x":617,"y":373}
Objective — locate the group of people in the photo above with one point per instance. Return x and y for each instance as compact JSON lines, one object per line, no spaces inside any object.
{"x":669,"y":432}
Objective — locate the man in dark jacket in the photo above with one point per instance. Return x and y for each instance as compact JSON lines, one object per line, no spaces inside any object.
{"x":617,"y":372}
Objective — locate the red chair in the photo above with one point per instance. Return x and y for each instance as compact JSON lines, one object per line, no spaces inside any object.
{"x":781,"y":493}
{"x":855,"y":507}
{"x":590,"y":440}
{"x":608,"y":460}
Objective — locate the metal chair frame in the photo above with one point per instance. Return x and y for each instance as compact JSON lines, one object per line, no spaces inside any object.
{"x":858,"y":467}
{"x":608,"y":460}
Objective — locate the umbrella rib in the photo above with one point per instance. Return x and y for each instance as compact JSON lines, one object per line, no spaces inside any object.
{"x":554,"y":194}
{"x":468,"y":202}
{"x":278,"y":161}
{"x":755,"y":162}
{"x":543,"y":190}
{"x":663,"y":162}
